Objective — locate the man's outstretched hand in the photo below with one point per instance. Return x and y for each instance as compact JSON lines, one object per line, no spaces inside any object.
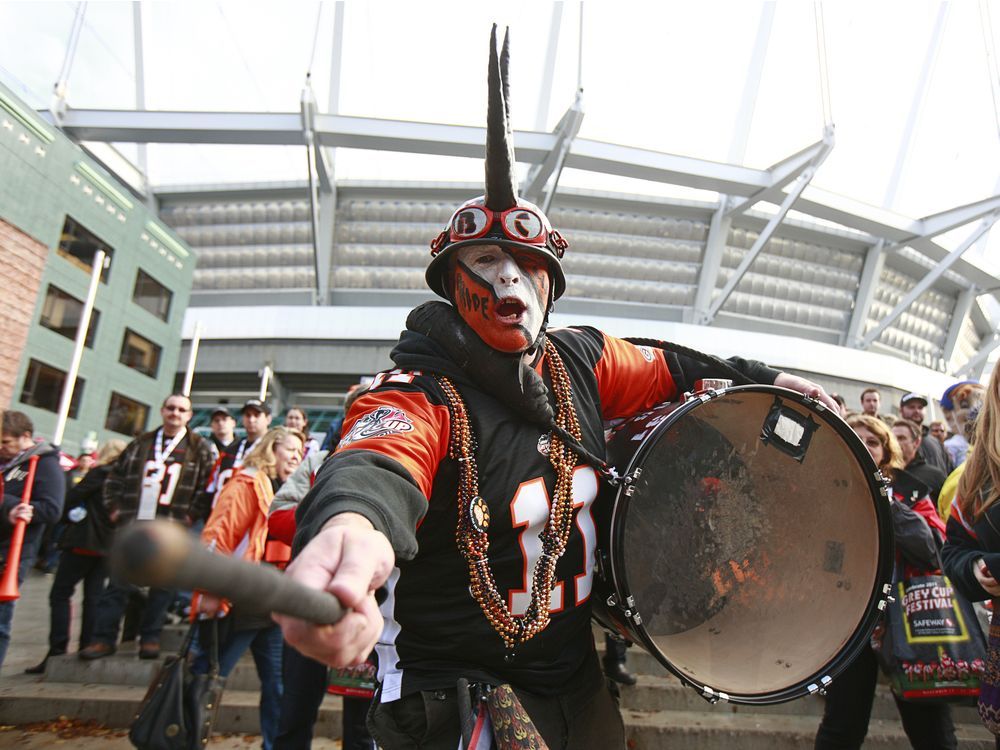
{"x":351,"y":560}
{"x":808,"y":388}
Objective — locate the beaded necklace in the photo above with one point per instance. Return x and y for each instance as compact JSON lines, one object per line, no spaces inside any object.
{"x":474,"y":520}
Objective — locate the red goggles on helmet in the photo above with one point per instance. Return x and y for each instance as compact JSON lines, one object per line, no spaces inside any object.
{"x":518,"y":224}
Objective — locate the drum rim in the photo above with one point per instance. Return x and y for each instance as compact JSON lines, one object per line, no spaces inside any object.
{"x":820,"y":678}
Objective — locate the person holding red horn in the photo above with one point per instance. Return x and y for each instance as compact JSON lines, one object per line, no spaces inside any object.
{"x":18,"y":449}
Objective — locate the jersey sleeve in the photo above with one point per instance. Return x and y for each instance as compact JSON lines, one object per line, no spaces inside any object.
{"x":632,"y":378}
{"x":394,"y":438}
{"x":634,"y":375}
{"x":402,"y":425}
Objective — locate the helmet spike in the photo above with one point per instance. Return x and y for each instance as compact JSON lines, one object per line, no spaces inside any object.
{"x":501,"y":186}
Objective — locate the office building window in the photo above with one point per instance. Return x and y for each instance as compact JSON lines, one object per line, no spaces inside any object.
{"x":79,"y":245}
{"x":43,"y":386}
{"x":126,"y":416}
{"x":61,"y":312}
{"x":140,"y":354}
{"x":150,"y":294}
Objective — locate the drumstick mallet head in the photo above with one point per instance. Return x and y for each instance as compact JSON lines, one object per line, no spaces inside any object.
{"x":163,"y":554}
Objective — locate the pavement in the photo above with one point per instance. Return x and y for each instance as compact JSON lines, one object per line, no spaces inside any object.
{"x":658,"y":712}
{"x":29,"y":642}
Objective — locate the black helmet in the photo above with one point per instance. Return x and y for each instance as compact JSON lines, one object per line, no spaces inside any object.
{"x":522,"y":226}
{"x":499,"y":217}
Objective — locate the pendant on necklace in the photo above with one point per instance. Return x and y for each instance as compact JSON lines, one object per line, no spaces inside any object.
{"x":479,"y":514}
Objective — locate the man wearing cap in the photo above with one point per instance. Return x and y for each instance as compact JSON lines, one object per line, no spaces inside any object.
{"x":256,"y":421}
{"x":490,"y":413}
{"x":913,"y":406}
{"x":223,"y":426}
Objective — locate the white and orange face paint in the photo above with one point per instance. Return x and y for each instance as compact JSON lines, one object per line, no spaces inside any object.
{"x":502,"y":293}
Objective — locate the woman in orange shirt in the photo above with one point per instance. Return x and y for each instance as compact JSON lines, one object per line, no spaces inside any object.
{"x":238,"y":526}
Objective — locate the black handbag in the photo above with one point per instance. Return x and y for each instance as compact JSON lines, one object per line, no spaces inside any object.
{"x":179,"y":708}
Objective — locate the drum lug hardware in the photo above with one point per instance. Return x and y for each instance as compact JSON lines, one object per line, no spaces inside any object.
{"x":815,"y":689}
{"x":713,"y":696}
{"x":816,"y":404}
{"x":630,"y":612}
{"x":629,"y":481}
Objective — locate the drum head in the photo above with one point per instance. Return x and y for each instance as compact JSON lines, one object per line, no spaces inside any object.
{"x":754,"y":543}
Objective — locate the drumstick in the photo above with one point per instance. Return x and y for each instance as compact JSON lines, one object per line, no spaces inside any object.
{"x":164,"y":555}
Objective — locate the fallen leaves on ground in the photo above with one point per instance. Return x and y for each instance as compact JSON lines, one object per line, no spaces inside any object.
{"x":66,"y":728}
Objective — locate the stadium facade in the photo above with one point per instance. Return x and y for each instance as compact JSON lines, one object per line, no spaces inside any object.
{"x":307,"y":284}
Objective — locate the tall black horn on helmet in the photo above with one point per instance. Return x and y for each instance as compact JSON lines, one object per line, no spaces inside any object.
{"x":501,"y":185}
{"x":499,"y":217}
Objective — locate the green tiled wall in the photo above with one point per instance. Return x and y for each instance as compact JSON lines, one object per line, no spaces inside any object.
{"x":44,"y":178}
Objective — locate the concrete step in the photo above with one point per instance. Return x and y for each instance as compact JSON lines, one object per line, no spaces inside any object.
{"x":750,"y":731}
{"x":32,"y":700}
{"x":662,"y":692}
{"x":125,"y":668}
{"x":652,"y":694}
{"x":24,"y":701}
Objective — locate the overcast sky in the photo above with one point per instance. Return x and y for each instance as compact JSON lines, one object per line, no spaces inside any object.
{"x":666,"y":76}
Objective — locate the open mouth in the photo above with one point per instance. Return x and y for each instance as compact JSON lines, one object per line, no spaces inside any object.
{"x":510,"y":310}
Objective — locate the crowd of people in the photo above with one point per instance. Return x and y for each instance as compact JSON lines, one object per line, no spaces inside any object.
{"x":221,"y":487}
{"x":241,"y":495}
{"x":923,"y":464}
{"x":478,"y":620}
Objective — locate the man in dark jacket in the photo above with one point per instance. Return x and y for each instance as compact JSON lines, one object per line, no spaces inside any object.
{"x":161,"y":474}
{"x":487,"y":412}
{"x":17,"y":450}
{"x":908,"y":436}
{"x":913,"y":407}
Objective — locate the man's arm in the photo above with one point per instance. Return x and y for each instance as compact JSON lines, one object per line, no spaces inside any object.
{"x":961,"y":557}
{"x":371,"y":485}
{"x":636,"y":374}
{"x":49,"y":490}
{"x":114,"y":485}
{"x":351,"y":560}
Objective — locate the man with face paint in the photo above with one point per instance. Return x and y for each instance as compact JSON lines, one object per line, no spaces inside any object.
{"x":502,"y":294}
{"x":464,"y":485}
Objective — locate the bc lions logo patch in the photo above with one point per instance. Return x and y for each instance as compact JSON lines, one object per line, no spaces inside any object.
{"x":384,"y":420}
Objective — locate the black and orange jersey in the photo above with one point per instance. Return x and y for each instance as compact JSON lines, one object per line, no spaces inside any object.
{"x":230,"y":459}
{"x":392,"y":466}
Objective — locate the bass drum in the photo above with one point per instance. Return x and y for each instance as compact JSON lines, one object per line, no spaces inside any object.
{"x":748,"y":547}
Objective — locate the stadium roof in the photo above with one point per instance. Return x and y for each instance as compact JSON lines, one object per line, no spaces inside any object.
{"x":889,"y":111}
{"x":910,"y":86}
